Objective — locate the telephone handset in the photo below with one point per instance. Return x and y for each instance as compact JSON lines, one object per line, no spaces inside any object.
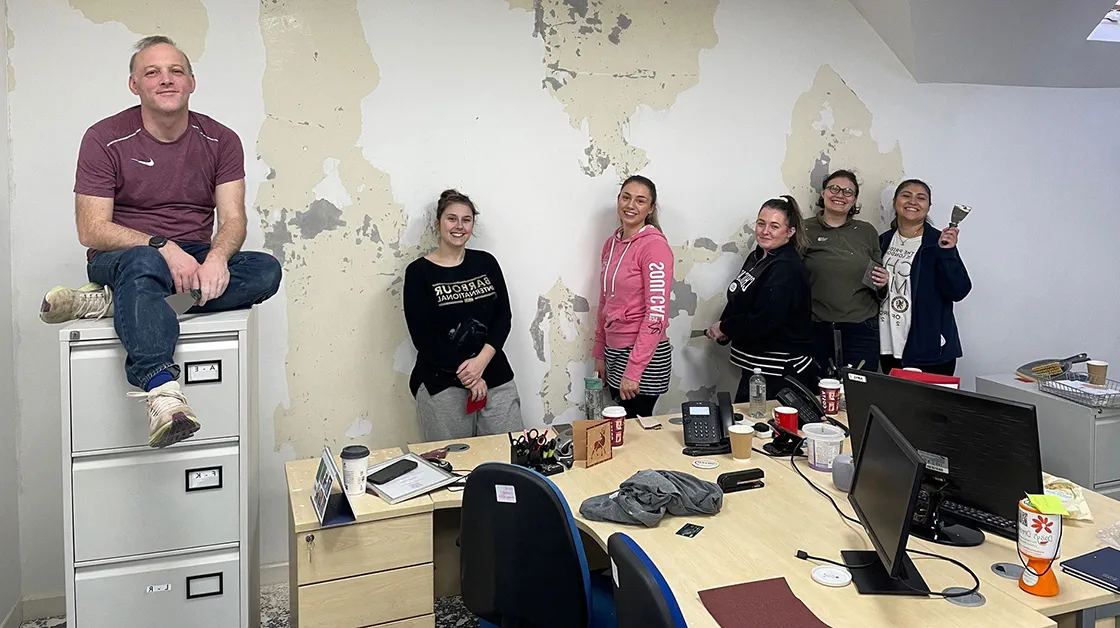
{"x":706,"y":426}
{"x":809,"y":410}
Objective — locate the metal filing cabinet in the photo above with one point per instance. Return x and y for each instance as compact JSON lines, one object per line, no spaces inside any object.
{"x":165,"y":537}
{"x":1078,"y":442}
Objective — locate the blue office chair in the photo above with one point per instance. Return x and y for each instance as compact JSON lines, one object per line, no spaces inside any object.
{"x":522,"y":563}
{"x":642,"y":597}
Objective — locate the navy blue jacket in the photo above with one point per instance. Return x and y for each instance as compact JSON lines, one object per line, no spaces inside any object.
{"x":938,"y":279}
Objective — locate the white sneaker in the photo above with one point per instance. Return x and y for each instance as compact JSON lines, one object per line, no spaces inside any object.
{"x":170,"y":419}
{"x":64,"y":304}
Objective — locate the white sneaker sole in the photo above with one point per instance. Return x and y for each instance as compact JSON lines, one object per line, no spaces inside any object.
{"x":173,"y":431}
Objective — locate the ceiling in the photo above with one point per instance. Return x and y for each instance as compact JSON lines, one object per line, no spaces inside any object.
{"x":998,"y":42}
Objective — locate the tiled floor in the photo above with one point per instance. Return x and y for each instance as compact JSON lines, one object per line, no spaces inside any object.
{"x":450,"y":612}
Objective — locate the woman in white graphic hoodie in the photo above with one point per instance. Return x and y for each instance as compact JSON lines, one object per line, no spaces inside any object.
{"x":632,"y":352}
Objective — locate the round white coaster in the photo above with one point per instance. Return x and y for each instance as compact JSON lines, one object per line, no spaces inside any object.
{"x":831,"y":576}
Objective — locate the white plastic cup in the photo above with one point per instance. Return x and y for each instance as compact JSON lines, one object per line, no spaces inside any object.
{"x":355,"y":464}
{"x":824,"y":443}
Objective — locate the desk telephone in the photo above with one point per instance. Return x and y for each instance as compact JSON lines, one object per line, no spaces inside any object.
{"x":809,"y":410}
{"x":705,"y":426}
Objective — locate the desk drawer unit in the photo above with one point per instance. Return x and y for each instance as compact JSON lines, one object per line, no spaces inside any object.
{"x":105,"y":417}
{"x":179,"y":592}
{"x":368,"y":600}
{"x":155,"y":501}
{"x":352,"y":550}
{"x":1106,"y":454}
{"x":161,"y":537}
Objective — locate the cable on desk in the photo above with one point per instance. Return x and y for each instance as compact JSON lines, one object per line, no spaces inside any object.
{"x":975,"y":579}
{"x":793,"y":462}
{"x":803,"y":555}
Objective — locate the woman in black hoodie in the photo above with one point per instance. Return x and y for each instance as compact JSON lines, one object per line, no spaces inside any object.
{"x":768,"y":317}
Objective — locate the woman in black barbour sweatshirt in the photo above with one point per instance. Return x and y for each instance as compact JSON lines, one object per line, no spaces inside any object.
{"x":457,"y":309}
{"x":768,"y":317}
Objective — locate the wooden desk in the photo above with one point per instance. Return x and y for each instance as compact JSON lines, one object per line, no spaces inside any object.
{"x":376,"y":572}
{"x":754,"y":537}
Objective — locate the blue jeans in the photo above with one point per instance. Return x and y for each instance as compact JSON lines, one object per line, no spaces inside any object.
{"x":147,"y":326}
{"x":858,"y":341}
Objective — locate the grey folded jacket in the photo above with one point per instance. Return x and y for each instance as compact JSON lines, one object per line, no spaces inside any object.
{"x":649,"y":494}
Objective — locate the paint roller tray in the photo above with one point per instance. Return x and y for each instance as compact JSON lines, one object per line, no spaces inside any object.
{"x":1076,"y":388}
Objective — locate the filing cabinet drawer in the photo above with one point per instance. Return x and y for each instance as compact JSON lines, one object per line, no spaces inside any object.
{"x":345,"y":551}
{"x":368,"y":600}
{"x":181,"y":592}
{"x":155,"y":501}
{"x":104,"y":417}
{"x":1106,"y":457}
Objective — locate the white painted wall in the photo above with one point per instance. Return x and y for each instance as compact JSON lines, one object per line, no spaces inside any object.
{"x":10,"y":582}
{"x":460,"y":103}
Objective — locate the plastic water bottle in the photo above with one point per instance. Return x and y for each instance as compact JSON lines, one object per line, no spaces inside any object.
{"x":758,"y":395}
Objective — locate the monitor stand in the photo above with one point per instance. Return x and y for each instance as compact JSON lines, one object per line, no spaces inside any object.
{"x":875,"y":580}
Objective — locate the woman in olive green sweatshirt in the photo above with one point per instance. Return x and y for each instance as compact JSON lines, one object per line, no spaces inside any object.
{"x":841,"y":249}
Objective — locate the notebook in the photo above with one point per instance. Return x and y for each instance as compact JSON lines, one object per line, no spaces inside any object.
{"x":1101,"y":568}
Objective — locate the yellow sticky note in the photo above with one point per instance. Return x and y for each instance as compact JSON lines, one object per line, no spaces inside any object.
{"x":1048,"y":504}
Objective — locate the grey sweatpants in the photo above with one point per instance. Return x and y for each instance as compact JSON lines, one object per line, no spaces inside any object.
{"x":445,"y":417}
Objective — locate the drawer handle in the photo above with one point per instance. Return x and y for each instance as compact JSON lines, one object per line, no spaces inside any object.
{"x":203,"y":372}
{"x":204,"y":479}
{"x":206,"y":582}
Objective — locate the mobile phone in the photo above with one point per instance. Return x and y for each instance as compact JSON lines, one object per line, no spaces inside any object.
{"x":391,"y":472}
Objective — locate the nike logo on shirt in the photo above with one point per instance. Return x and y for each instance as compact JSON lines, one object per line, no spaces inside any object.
{"x":150,"y":162}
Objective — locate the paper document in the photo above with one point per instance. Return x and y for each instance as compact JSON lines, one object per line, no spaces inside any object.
{"x":1089,"y":389}
{"x":425,"y":478}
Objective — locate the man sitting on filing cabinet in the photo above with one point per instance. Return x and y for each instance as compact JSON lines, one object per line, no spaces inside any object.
{"x":149,"y":181}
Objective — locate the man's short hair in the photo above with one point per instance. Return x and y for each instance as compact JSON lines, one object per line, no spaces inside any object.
{"x":154,"y":40}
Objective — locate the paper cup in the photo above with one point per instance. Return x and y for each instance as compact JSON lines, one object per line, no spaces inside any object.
{"x":742,"y":439}
{"x":617,"y":416}
{"x":786,"y":418}
{"x":830,"y":396}
{"x":1098,"y":371}
{"x":824,"y":443}
{"x":355,"y":463}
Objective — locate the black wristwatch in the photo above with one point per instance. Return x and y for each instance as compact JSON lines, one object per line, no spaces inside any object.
{"x":157,"y":242}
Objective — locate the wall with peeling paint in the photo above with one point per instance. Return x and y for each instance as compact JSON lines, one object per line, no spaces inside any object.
{"x":355,"y":117}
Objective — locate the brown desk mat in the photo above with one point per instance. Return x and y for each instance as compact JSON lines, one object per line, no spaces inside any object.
{"x":761,"y":604}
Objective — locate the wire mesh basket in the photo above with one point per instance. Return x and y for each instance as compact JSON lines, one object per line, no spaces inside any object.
{"x":1076,"y":388}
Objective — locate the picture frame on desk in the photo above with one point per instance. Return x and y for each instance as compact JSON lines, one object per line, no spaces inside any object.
{"x":332,"y":508}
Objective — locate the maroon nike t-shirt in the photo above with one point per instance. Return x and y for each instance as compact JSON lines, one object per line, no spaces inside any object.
{"x":159,"y":188}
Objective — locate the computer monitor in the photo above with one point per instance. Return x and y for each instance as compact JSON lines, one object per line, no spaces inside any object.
{"x":981,"y":452}
{"x":885,"y":487}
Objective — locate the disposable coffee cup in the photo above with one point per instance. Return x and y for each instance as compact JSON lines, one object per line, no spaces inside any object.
{"x":1098,"y":371}
{"x":787,"y":418}
{"x":742,"y":439}
{"x":617,"y":416}
{"x":355,"y":463}
{"x":830,"y":396}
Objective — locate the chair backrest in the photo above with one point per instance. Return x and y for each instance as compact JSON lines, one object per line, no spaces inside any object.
{"x":521,"y":558}
{"x":642,"y":597}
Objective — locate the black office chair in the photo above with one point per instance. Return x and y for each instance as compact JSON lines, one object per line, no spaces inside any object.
{"x":522,"y":563}
{"x":642,"y":597}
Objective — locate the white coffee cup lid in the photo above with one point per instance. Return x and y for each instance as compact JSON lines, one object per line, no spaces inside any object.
{"x":830,"y":383}
{"x":614,"y":412}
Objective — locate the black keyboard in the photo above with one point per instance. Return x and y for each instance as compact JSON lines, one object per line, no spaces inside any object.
{"x":985,"y":521}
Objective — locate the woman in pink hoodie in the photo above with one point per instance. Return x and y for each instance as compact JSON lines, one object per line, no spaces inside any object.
{"x":632,"y":352}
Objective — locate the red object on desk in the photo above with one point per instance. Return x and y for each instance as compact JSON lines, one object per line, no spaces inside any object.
{"x":948,"y":381}
{"x":761,"y":604}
